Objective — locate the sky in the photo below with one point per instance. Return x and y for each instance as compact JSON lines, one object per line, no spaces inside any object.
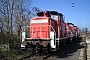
{"x":79,"y":14}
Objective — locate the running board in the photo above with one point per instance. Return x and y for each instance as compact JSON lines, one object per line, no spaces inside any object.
{"x":53,"y":49}
{"x":36,"y":39}
{"x":62,"y":38}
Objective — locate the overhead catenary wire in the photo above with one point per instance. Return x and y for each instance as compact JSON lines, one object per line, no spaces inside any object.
{"x":63,"y":2}
{"x":72,"y":4}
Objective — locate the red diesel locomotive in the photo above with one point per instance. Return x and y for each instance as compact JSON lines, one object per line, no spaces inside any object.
{"x":47,"y":30}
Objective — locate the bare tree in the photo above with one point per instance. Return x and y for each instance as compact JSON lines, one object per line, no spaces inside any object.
{"x":11,"y":13}
{"x":16,"y":13}
{"x":35,"y":10}
{"x":22,"y":14}
{"x":6,"y":11}
{"x":86,"y":29}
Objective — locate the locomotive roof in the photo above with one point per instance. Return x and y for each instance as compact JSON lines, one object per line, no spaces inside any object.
{"x":55,"y":13}
{"x":50,"y":12}
{"x":71,"y":23}
{"x":40,"y":13}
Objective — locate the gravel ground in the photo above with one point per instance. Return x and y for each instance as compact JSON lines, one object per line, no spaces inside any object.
{"x":88,"y":46}
{"x":88,"y":50}
{"x":70,"y":51}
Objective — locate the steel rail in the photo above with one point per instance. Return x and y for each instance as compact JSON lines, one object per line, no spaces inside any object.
{"x":85,"y":48}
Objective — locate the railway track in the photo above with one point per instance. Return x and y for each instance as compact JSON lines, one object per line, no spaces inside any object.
{"x":23,"y":57}
{"x":85,"y":49}
{"x":83,"y":53}
{"x":65,"y":53}
{"x":34,"y":56}
{"x":40,"y":57}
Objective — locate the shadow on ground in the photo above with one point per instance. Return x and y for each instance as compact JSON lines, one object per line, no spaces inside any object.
{"x":69,"y":49}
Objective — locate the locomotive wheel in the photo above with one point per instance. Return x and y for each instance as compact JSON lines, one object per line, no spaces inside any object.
{"x":37,"y":48}
{"x":48,"y":49}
